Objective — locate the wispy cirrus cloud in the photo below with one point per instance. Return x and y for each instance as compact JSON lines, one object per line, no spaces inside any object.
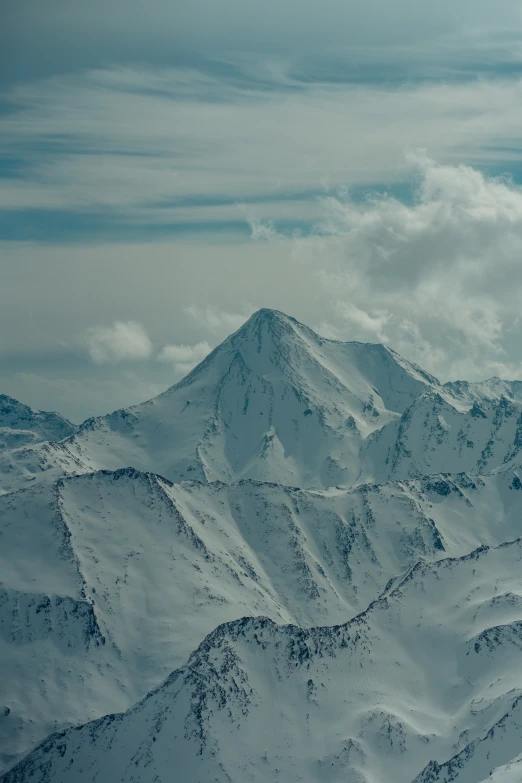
{"x":181,"y":148}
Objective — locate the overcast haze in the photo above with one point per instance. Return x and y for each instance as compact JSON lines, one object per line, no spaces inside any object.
{"x":166,"y":169}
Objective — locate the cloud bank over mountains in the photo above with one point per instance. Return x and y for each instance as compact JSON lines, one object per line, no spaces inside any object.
{"x":438,"y":278}
{"x":180,"y":181}
{"x":433,"y":273}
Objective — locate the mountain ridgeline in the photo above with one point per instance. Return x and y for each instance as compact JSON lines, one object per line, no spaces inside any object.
{"x":276,"y":402}
{"x":300,"y":563}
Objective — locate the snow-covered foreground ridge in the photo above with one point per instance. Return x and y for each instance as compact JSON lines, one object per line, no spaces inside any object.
{"x":421,"y":673}
{"x":287,"y":477}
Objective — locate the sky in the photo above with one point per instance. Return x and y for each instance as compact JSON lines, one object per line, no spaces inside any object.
{"x":168,"y":168}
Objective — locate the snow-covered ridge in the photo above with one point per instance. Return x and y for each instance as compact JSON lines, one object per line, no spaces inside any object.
{"x":21,"y":425}
{"x":377,"y":698}
{"x":157,"y":565}
{"x":334,"y":489}
{"x":491,"y":389}
{"x":274,"y":402}
{"x":433,"y":435}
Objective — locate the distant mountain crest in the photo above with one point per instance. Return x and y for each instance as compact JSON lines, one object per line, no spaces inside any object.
{"x":21,"y":425}
{"x":274,"y":402}
{"x":277,"y":402}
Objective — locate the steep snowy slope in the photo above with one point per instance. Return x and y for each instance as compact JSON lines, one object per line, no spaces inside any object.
{"x":492,"y":389}
{"x":21,"y":425}
{"x":507,"y":773}
{"x":433,"y":435}
{"x":274,"y":402}
{"x":431,"y":671}
{"x":503,"y":739}
{"x":110,"y":580}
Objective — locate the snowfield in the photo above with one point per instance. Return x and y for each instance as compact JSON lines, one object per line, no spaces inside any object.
{"x":307,"y":554}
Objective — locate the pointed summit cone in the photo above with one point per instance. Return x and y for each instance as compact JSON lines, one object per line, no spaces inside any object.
{"x":275,"y":401}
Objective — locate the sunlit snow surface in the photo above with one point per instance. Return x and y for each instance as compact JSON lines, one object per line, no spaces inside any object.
{"x":361,"y":516}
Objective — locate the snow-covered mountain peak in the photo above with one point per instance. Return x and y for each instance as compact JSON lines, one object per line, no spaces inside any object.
{"x":273,"y":402}
{"x":14,"y":413}
{"x":285,"y":342}
{"x":277,"y":402}
{"x":21,"y":425}
{"x":269,"y":342}
{"x":267,"y":330}
{"x":269,"y":320}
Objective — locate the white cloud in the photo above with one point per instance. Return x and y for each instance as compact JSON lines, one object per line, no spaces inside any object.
{"x":116,"y":137}
{"x":263,"y":228}
{"x":371,"y":322}
{"x":439,"y":279}
{"x":184,"y":357}
{"x":219,"y":321}
{"x":123,"y":341}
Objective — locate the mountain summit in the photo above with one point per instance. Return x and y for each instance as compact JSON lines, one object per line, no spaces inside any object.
{"x":273,"y":402}
{"x":277,"y":402}
{"x":21,"y":425}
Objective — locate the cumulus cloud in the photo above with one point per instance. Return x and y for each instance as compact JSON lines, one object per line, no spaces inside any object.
{"x":184,"y":357}
{"x":438,"y":279}
{"x":123,"y":341}
{"x":371,"y":323}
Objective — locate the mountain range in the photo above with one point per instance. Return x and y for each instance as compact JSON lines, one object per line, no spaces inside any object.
{"x":300,"y":563}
